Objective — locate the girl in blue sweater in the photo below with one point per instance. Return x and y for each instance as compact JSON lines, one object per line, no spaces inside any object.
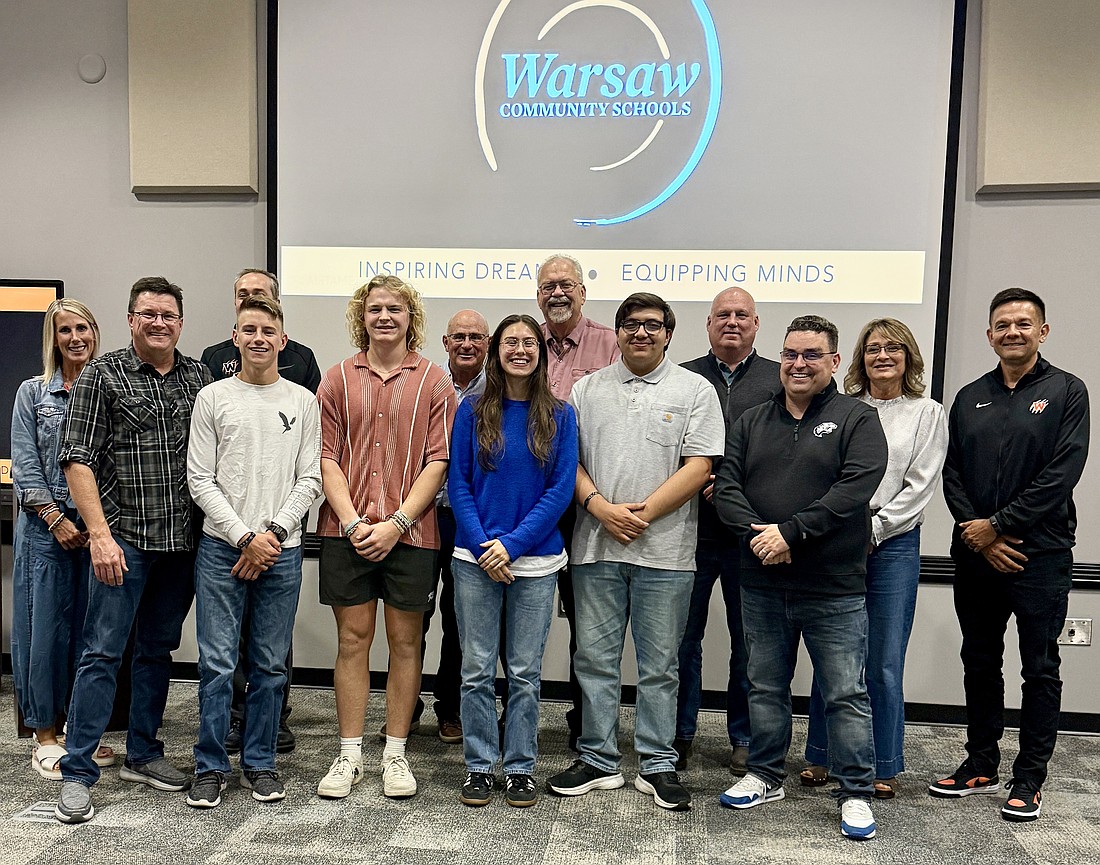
{"x":512,"y":473}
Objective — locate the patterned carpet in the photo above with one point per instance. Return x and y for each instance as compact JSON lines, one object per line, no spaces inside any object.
{"x":138,"y":825}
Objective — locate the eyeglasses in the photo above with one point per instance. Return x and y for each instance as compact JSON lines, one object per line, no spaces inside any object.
{"x":475,"y":338}
{"x":567,"y":286}
{"x":514,"y":343}
{"x":874,"y":348}
{"x":150,"y":317}
{"x":811,"y":356}
{"x":651,"y":325}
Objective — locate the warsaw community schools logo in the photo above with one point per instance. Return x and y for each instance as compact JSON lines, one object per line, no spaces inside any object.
{"x":613,"y":101}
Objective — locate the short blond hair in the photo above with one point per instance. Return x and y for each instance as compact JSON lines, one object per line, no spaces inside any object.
{"x":414,"y":339}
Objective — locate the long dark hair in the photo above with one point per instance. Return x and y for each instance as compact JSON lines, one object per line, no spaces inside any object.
{"x":489,"y":409}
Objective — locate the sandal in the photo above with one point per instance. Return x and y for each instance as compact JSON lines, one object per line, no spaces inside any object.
{"x":46,"y":760}
{"x":886,"y":788}
{"x":104,"y":756}
{"x":814,"y":776}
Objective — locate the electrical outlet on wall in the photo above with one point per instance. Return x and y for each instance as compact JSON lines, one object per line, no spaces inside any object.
{"x":1077,"y":632}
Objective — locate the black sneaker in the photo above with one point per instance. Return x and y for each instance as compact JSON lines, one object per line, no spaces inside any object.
{"x":519,"y":790}
{"x":477,"y":790}
{"x":264,"y":784}
{"x":285,"y":741}
{"x":234,"y":739}
{"x":206,"y":790}
{"x":581,"y":777}
{"x":666,"y":790}
{"x":683,"y":751}
{"x":965,"y":782}
{"x":1025,"y":802}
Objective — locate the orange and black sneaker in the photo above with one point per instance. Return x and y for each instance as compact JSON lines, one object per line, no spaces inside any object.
{"x":965,"y":782}
{"x":1024,"y":802}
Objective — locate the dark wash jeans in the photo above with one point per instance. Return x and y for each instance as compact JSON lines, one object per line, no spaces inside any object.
{"x":834,"y":628}
{"x":154,"y":599}
{"x":714,"y":561}
{"x":1038,"y":597}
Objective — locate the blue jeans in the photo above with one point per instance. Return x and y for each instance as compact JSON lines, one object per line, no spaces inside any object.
{"x":221,"y":601}
{"x":835,"y":631}
{"x":49,"y":598}
{"x":153,"y":600}
{"x":713,"y":561}
{"x":656,"y":602}
{"x":528,"y":606}
{"x":893,"y":572}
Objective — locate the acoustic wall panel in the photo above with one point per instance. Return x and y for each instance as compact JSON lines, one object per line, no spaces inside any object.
{"x":192,"y":71}
{"x":1039,"y":96}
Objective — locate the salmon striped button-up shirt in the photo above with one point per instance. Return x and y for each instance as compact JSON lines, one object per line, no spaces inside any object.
{"x":383,"y":431}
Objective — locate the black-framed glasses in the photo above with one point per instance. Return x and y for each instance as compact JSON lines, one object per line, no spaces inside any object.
{"x":651,"y":325}
{"x":874,"y":348}
{"x":475,"y":338}
{"x":811,"y":356}
{"x":150,"y":317}
{"x":568,"y":286}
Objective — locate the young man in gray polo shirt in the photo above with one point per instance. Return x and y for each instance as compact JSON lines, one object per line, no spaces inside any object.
{"x":648,"y":432}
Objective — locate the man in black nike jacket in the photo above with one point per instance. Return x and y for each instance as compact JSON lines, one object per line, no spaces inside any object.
{"x":795,"y":483}
{"x":1019,"y":439}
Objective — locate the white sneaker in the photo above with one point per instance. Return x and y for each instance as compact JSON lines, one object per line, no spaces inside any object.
{"x":343,"y":774}
{"x":397,"y":777}
{"x":856,"y":819}
{"x":751,"y":791}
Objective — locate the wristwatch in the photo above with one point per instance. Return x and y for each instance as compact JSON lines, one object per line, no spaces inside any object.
{"x":279,"y":532}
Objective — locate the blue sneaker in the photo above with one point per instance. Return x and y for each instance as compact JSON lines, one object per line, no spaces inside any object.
{"x":856,"y":819}
{"x":751,"y":791}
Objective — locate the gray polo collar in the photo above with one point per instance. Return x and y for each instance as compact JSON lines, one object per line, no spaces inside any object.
{"x":654,"y":376}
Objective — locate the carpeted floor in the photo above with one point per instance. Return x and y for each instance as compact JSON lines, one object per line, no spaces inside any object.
{"x":135,"y":824}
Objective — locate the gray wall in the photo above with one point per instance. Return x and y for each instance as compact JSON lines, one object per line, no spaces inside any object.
{"x":64,"y":178}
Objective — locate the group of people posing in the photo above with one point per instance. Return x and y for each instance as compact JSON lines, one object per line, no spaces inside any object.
{"x":549,"y":458}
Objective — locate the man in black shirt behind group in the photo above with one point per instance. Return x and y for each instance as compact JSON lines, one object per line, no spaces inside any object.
{"x":1019,"y":439}
{"x":296,"y":364}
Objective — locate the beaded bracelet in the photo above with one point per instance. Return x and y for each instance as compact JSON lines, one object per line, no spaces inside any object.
{"x":350,"y":527}
{"x":401,"y":520}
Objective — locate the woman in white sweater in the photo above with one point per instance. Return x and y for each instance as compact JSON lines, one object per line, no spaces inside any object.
{"x":887,"y":372}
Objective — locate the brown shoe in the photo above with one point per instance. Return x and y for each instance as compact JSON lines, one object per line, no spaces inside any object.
{"x":450,"y":732}
{"x":739,"y":761}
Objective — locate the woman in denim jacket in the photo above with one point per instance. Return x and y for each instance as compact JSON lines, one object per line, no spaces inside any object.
{"x":49,"y":584}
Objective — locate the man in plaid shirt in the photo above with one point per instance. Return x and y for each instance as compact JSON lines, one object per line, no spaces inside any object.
{"x":124,"y":451}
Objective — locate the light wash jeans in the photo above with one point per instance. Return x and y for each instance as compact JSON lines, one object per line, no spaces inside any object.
{"x":528,"y":605}
{"x":656,"y":603}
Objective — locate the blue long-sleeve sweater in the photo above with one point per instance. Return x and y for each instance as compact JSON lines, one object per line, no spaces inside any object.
{"x":521,"y":501}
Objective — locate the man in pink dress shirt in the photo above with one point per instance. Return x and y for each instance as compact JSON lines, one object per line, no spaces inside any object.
{"x":577,"y":346}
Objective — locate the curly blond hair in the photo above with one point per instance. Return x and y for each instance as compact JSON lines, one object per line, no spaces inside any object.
{"x":414,"y":339}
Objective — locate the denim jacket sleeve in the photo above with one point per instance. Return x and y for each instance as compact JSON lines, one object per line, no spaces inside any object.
{"x":30,"y":468}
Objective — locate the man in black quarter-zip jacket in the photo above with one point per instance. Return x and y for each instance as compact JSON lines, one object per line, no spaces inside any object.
{"x":1019,"y":437}
{"x":795,"y":483}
